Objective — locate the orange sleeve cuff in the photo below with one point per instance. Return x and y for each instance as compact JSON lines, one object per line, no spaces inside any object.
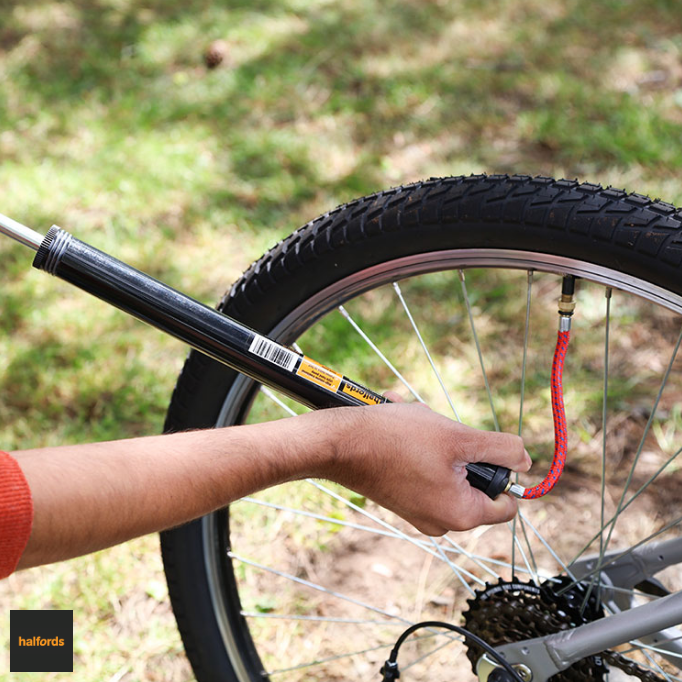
{"x":16,"y":514}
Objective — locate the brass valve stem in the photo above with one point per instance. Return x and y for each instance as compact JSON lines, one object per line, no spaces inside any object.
{"x":566,"y":303}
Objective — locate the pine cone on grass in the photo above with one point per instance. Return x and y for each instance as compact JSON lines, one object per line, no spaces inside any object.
{"x":215,"y":53}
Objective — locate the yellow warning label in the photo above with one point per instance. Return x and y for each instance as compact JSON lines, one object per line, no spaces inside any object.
{"x":318,"y":374}
{"x":361,"y":394}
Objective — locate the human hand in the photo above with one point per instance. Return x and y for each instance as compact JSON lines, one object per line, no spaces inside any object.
{"x":412,"y":461}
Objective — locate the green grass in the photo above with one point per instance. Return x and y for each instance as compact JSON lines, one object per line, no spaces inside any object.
{"x":111,"y":126}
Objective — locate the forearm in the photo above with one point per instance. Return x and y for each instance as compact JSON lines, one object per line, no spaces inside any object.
{"x":404,"y":457}
{"x":87,"y":497}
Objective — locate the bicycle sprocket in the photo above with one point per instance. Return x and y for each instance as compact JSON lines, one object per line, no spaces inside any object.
{"x":506,"y":612}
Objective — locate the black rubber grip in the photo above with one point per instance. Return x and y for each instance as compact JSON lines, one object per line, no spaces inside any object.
{"x":490,"y":479}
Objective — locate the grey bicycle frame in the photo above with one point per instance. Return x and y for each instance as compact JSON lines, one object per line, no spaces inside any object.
{"x":618,"y":572}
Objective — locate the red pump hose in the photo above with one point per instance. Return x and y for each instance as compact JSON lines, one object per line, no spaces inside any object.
{"x":559,"y":416}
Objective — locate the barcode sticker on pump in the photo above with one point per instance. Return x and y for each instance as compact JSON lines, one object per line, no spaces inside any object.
{"x":273,"y":352}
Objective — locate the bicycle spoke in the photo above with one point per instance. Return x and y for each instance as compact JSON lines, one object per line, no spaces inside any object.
{"x":472,"y":557}
{"x":478,"y":349}
{"x":386,"y":361}
{"x":318,"y":619}
{"x":516,"y":542}
{"x":481,"y":560}
{"x":425,"y":349}
{"x":342,"y":597}
{"x":395,"y":532}
{"x":622,"y":555}
{"x":523,"y":522}
{"x":402,"y":535}
{"x":457,"y":571}
{"x":319,"y":588}
{"x":364,"y":529}
{"x":513,"y":540}
{"x":530,"y":549}
{"x":526,"y":332}
{"x":605,"y":392}
{"x":604,"y":424}
{"x":455,"y":549}
{"x":338,"y":657}
{"x":613,"y":588}
{"x":512,"y":527}
{"x":266,"y":391}
{"x":547,"y":546}
{"x":569,"y":573}
{"x":529,"y":279}
{"x":638,"y":646}
{"x":321,"y":517}
{"x":657,"y":668}
{"x":631,"y":591}
{"x":533,"y":574}
{"x":640,"y":490}
{"x":374,"y":518}
{"x":429,"y":654}
{"x":643,"y":439}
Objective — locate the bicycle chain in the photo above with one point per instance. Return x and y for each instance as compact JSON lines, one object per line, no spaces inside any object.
{"x":507,"y":612}
{"x":630,"y":667}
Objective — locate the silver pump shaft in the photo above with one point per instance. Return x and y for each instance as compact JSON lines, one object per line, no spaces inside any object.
{"x":24,"y":235}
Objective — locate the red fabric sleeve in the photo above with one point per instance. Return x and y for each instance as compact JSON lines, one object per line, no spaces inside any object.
{"x":16,"y":514}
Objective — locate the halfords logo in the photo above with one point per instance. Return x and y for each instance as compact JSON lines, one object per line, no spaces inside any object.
{"x":40,"y":641}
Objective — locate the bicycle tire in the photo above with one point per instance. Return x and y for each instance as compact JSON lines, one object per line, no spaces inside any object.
{"x":562,"y":222}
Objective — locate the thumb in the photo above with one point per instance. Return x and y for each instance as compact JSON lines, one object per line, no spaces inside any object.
{"x":486,"y":512}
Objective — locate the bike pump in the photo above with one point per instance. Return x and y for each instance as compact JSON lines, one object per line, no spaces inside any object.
{"x":212,"y":332}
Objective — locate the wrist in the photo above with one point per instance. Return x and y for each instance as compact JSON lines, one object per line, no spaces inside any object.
{"x":320,"y":444}
{"x":337,"y":456}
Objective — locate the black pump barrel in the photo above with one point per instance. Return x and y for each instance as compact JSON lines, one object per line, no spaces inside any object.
{"x":216,"y":335}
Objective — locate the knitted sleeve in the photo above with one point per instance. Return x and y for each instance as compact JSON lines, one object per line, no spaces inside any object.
{"x":16,"y":514}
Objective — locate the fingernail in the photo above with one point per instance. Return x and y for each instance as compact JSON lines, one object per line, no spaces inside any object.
{"x":529,"y":461}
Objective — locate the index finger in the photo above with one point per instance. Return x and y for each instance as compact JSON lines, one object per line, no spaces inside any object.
{"x":504,"y":449}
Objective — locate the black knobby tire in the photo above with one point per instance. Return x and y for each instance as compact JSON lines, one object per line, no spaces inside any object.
{"x":625,"y":233}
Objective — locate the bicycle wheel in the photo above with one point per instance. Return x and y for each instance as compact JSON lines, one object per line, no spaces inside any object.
{"x":308,"y":581}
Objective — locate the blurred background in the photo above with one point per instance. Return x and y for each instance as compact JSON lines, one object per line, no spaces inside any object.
{"x":187,"y":138}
